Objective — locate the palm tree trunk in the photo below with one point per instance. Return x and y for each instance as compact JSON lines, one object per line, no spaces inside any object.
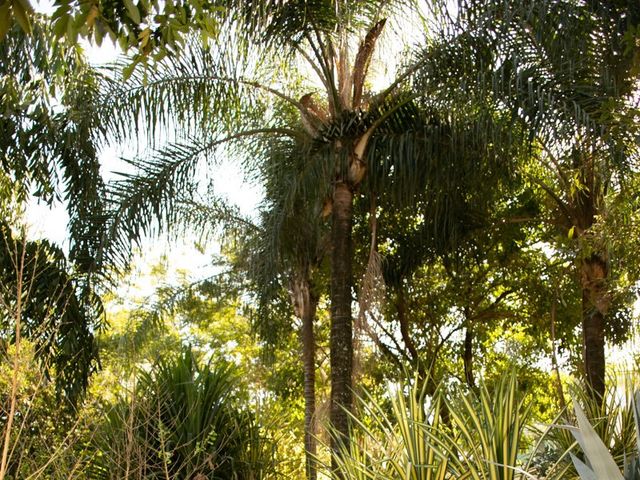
{"x":554,"y":356}
{"x":594,"y":273}
{"x":305,"y":303}
{"x":310,"y":303}
{"x":341,"y":319}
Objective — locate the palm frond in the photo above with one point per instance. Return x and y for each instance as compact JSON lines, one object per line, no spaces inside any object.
{"x":421,"y":155}
{"x":153,"y":199}
{"x":562,"y":83}
{"x":205,"y":89}
{"x":277,"y":23}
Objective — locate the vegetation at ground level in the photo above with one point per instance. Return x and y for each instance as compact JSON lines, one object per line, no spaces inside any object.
{"x":440,"y":280}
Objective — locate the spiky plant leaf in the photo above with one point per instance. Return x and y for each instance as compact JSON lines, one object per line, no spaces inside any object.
{"x":597,"y":454}
{"x":585,"y":472}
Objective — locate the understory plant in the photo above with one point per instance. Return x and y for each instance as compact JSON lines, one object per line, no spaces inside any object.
{"x":463,"y":434}
{"x":392,"y":442}
{"x":184,"y":420}
{"x":612,"y":418}
{"x":488,"y":434}
{"x":599,"y":462}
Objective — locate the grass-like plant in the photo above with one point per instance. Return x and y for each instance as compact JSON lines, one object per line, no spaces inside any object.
{"x":394,"y":443}
{"x":491,"y":426}
{"x":463,"y":435}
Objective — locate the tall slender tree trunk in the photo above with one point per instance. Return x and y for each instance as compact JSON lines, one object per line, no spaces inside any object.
{"x":341,"y":319}
{"x":305,"y":303}
{"x":594,"y":273}
{"x":309,"y":362}
{"x":554,"y":356}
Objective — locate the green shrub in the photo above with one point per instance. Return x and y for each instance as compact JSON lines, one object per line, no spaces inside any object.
{"x":183,"y":421}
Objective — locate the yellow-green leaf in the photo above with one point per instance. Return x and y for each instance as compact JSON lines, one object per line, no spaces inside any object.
{"x":26,"y":5}
{"x":143,"y":36}
{"x":21,"y":15}
{"x":60,"y":26}
{"x":92,"y":15}
{"x":72,"y":32}
{"x":132,"y":10}
{"x":128,"y":71}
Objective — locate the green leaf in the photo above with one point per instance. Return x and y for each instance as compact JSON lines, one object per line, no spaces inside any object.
{"x":60,"y":25}
{"x":72,"y":32}
{"x":5,"y":19}
{"x":128,"y":71}
{"x":25,"y":5}
{"x":21,"y":9}
{"x":99,"y":36}
{"x":636,"y":416}
{"x":132,"y":10}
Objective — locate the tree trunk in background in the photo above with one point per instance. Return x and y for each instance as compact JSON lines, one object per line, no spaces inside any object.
{"x":467,"y":357}
{"x":594,"y":273}
{"x":341,"y":320}
{"x":554,"y":356}
{"x":595,"y":303}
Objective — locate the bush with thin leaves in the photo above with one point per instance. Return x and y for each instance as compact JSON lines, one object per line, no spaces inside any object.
{"x":395,"y":444}
{"x":490,"y":426}
{"x":183,"y":421}
{"x":612,"y":418}
{"x":463,"y":435}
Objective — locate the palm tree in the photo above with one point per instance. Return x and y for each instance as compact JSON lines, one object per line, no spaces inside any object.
{"x":354,"y":142}
{"x":283,"y":254}
{"x":567,"y":72}
{"x":204,"y":93}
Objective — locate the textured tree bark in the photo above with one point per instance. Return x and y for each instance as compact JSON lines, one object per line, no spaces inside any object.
{"x":341,"y":319}
{"x":595,"y":303}
{"x":310,"y":302}
{"x":594,"y":272}
{"x":404,"y":328}
{"x":305,"y":303}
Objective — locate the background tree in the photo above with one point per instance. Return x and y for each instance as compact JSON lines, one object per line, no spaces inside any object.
{"x":37,"y":287}
{"x":574,"y":94}
{"x":286,"y":256}
{"x":412,"y":146}
{"x":187,"y":82}
{"x":450,"y":194}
